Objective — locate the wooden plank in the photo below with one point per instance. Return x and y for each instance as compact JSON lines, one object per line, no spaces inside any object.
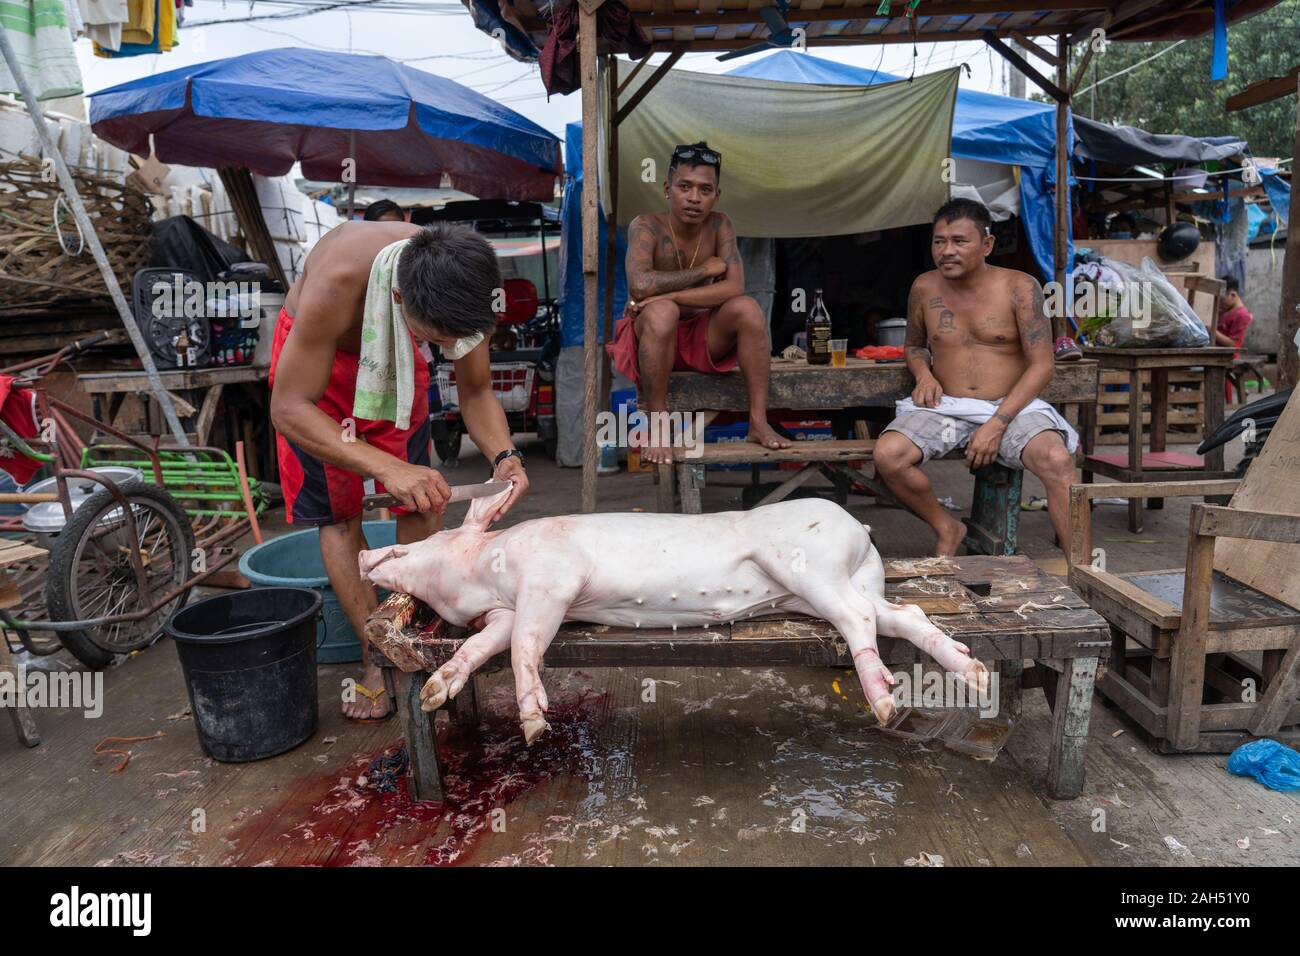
{"x":19,"y":714}
{"x":425,"y":778}
{"x":1187,"y":666}
{"x":1272,"y":484}
{"x":1236,"y":522}
{"x":1262,"y":91}
{"x":1070,"y":717}
{"x":109,"y":382}
{"x":742,"y":452}
{"x":1152,"y":718}
{"x":1152,"y":610}
{"x":1280,"y":697}
{"x":802,"y":386}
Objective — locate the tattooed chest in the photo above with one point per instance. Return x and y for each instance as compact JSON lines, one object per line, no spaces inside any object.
{"x":670,"y":256}
{"x":951,"y":325}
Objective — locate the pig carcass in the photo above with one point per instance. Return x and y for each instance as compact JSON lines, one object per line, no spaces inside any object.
{"x":654,"y":571}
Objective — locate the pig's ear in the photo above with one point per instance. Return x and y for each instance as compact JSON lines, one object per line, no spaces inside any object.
{"x":482,"y":510}
{"x":369,"y":560}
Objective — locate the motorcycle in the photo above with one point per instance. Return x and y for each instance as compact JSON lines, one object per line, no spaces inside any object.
{"x":1252,"y":423}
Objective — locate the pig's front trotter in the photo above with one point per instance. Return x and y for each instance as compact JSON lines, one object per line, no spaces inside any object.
{"x":445,"y":683}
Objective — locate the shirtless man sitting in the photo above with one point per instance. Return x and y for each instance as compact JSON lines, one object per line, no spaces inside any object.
{"x":687,"y":307}
{"x":979,"y":345}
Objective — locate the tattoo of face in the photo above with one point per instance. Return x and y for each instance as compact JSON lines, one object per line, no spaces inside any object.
{"x":947,"y":321}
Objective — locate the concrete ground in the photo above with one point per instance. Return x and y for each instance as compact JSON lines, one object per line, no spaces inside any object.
{"x":643,"y":766}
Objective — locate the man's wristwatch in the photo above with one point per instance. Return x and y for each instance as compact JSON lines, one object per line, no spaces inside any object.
{"x":509,"y":452}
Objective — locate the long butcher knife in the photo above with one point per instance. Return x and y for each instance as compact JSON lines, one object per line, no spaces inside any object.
{"x":458,"y":493}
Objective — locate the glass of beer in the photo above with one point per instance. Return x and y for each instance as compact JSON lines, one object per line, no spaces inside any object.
{"x":839,"y":352}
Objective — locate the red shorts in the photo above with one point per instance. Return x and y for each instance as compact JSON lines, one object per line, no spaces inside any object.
{"x":318,"y":493}
{"x":692,"y":347}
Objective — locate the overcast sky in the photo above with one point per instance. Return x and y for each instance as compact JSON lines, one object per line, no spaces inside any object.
{"x":444,"y":40}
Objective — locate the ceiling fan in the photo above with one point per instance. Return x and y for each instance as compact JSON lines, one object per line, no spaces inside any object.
{"x":780,"y":34}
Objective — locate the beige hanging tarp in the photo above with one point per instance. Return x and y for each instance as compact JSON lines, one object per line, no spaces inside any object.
{"x":797,"y":159}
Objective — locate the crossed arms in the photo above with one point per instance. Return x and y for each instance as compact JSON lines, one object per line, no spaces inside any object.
{"x":723,"y":276}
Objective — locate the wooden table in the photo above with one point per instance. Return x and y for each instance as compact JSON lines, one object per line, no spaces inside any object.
{"x":860,"y":383}
{"x":1157,"y":464}
{"x":1005,"y":609}
{"x":210,"y":381}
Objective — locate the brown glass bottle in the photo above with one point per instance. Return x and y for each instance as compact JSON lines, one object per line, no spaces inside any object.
{"x":819,"y":332}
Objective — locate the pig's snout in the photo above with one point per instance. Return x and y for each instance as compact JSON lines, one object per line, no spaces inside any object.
{"x":371,"y":563}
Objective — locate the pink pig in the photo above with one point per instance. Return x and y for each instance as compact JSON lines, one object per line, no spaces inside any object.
{"x":808,"y":556}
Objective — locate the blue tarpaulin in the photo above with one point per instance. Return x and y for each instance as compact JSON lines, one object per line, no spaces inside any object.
{"x":269,"y":109}
{"x":571,"y":317}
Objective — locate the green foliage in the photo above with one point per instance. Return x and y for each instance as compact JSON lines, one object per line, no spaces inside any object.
{"x":1174,"y":94}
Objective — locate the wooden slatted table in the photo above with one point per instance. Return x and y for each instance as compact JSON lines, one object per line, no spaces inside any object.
{"x":1005,"y":609}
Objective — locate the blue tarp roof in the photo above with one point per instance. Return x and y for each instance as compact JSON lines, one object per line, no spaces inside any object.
{"x":268,"y":109}
{"x":997,"y":129}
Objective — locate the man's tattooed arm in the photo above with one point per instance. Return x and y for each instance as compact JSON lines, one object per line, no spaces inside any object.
{"x":915,"y":341}
{"x":1036,"y":340}
{"x":643,"y":280}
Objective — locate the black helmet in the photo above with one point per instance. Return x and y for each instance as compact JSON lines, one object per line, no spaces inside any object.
{"x":1178,"y":241}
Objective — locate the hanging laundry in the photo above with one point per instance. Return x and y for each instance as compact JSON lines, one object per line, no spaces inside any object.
{"x":615,"y":27}
{"x":103,"y":21}
{"x":150,"y":28}
{"x":38,"y":31}
{"x":75,"y":26}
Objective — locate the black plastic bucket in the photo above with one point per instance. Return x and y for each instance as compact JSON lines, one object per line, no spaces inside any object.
{"x":249,"y":660}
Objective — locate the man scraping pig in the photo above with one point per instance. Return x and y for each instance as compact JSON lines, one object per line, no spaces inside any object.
{"x":807,"y":556}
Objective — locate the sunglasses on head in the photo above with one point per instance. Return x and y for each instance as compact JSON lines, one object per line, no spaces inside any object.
{"x":706,"y":156}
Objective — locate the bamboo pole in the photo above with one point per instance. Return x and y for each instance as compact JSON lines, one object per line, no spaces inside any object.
{"x":1060,"y":236}
{"x":92,"y":240}
{"x":611,"y":227}
{"x":1288,"y":365}
{"x":590,"y":252}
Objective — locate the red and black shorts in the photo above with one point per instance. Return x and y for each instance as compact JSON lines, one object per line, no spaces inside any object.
{"x":317,"y":493}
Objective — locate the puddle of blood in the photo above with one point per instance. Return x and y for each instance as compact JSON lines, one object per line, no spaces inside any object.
{"x":329,"y":820}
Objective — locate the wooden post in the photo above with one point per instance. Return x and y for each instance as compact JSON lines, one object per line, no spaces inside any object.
{"x":611,"y":227}
{"x":1060,"y":235}
{"x":590,"y":253}
{"x":1288,"y":322}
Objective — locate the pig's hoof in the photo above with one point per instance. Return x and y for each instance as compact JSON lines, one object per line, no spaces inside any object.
{"x":533,"y":727}
{"x":434,"y":693}
{"x":977,"y":677}
{"x":883,"y":708}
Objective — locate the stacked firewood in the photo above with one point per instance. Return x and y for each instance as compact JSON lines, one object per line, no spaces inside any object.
{"x":44,"y":260}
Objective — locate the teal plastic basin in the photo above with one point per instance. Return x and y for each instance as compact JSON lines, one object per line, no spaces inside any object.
{"x":294,"y":561}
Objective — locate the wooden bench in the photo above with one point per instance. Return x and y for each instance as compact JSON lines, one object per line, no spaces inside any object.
{"x":1193,"y":681}
{"x":859,"y":384}
{"x":1005,"y":609}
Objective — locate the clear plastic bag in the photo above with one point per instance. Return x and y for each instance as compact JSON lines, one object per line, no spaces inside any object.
{"x":1274,"y":765}
{"x":1153,"y":314}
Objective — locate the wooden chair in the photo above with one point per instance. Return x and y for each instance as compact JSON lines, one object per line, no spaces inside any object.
{"x":1218,"y":655}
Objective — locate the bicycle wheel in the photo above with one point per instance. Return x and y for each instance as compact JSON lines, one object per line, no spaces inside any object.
{"x":91,"y":575}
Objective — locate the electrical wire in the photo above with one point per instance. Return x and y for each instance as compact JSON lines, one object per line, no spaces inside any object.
{"x":1129,"y":69}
